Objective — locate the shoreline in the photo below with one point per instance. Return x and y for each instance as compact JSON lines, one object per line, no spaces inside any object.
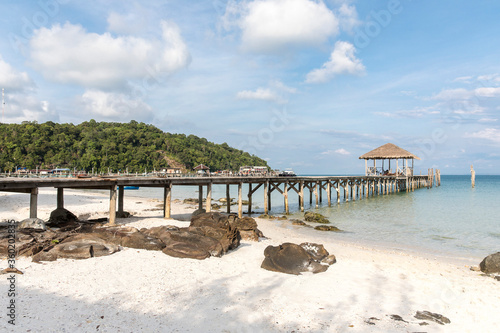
{"x":148,"y":290}
{"x":141,"y":209}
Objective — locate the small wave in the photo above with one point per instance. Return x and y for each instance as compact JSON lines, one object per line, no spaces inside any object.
{"x":494,"y":234}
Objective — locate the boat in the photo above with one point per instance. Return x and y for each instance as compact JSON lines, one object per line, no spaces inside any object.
{"x":131,"y":187}
{"x":287,"y":173}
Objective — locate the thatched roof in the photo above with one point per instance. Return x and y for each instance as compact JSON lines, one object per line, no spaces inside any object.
{"x":388,"y":151}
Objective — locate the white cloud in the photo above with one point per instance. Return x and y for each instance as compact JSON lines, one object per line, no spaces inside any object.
{"x":259,"y":94}
{"x":114,"y":106}
{"x":487,"y":92}
{"x":340,"y":151}
{"x":282,"y":87}
{"x":453,"y":94}
{"x":418,"y":112}
{"x":491,"y":134}
{"x":487,"y":120}
{"x":130,"y":24}
{"x":26,"y":107}
{"x":348,"y":17}
{"x":12,"y":80}
{"x":70,"y":54}
{"x":342,"y":61}
{"x":274,"y":25}
{"x":464,"y":79}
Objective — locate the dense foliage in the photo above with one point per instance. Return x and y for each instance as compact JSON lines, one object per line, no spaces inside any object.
{"x":117,"y":146}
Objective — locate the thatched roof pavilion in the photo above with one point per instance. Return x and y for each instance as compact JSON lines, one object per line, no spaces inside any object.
{"x":389,"y":151}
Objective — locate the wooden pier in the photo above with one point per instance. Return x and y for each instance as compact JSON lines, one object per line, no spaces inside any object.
{"x":344,"y":188}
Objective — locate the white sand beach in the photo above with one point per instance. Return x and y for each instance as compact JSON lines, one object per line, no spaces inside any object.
{"x":148,"y":291}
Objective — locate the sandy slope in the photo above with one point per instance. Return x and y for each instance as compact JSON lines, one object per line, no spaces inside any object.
{"x":147,"y":291}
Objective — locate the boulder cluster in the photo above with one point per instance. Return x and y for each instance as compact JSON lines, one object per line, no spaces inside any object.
{"x":64,"y":236}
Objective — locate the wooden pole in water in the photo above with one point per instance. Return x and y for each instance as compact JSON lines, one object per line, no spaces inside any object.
{"x":240,"y":204}
{"x":320,"y":191}
{"x":472,"y":176}
{"x":34,"y":202}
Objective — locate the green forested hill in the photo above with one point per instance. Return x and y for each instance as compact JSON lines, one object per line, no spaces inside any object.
{"x":118,"y":146}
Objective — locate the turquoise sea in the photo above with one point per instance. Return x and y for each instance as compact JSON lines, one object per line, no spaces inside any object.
{"x":453,"y":220}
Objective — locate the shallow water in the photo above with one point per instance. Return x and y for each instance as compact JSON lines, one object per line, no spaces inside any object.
{"x":452,"y":219}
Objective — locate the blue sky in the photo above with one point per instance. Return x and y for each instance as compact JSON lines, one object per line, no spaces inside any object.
{"x":306,"y":84}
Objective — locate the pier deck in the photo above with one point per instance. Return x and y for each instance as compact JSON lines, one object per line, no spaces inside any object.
{"x":352,"y":188}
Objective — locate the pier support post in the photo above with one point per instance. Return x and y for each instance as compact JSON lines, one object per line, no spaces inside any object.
{"x":269,"y":197}
{"x":285,"y":194}
{"x":337,"y":188}
{"x":228,"y":199}
{"x":209,"y":198}
{"x":34,"y":202}
{"x":60,"y":197}
{"x":112,"y":205}
{"x":240,"y":203}
{"x":200,"y":197}
{"x":167,"y":201}
{"x":329,"y":193}
{"x":121,"y":194}
{"x":301,"y":196}
{"x":320,"y":191}
{"x":249,"y":198}
{"x":316,"y":194}
{"x":266,"y":193}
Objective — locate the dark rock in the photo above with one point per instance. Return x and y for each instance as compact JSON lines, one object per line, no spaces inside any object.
{"x":316,"y":251}
{"x":315,"y":217}
{"x":370,"y":321}
{"x":186,"y":244}
{"x":33,"y":223}
{"x":264,"y":216}
{"x":130,"y":237}
{"x":291,"y":259}
{"x":435,"y":317}
{"x":329,"y":260}
{"x":491,"y":264}
{"x":78,"y":246}
{"x":327,"y":228}
{"x":215,"y":206}
{"x":282,"y":218}
{"x":191,"y":201}
{"x":247,"y":227}
{"x":61,"y":217}
{"x":297,"y":222}
{"x":397,"y":318}
{"x":123,"y":215}
{"x":199,"y":211}
{"x":497,"y":277}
